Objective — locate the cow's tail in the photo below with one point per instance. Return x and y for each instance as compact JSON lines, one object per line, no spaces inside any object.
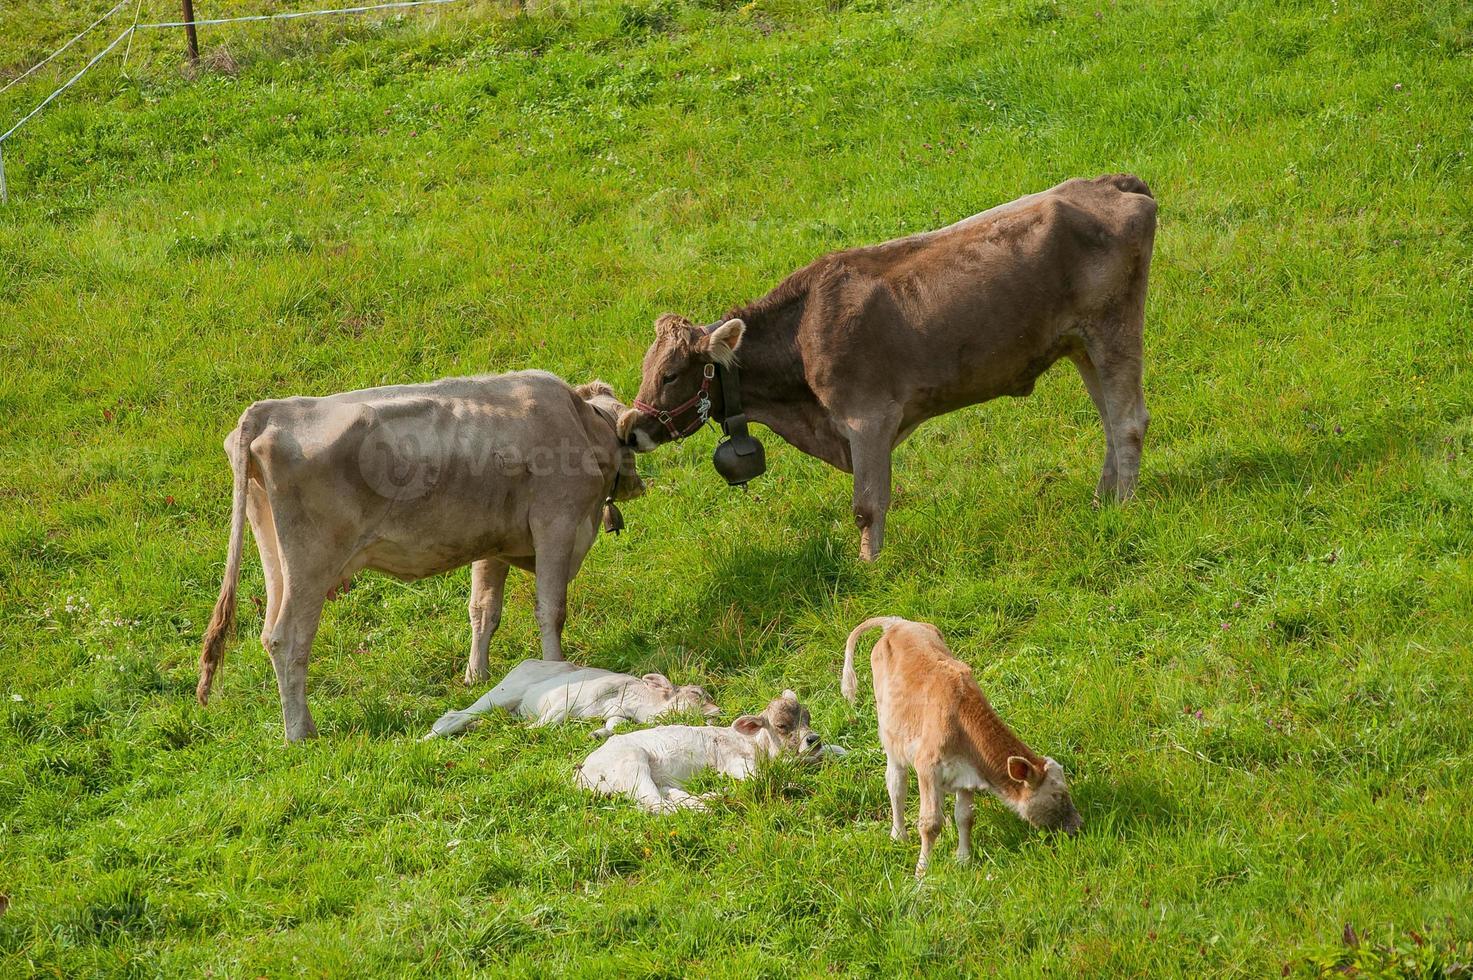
{"x":848,"y":680}
{"x":223,"y":620}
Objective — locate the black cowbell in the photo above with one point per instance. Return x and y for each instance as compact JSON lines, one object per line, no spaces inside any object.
{"x":738,"y":457}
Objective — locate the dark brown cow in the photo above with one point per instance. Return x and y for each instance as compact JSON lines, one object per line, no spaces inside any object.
{"x":850,"y":353}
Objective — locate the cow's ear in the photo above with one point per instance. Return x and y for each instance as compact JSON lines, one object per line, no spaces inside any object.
{"x":660,"y":681}
{"x":593,"y":389}
{"x":724,"y":340}
{"x":749,"y":725}
{"x":790,"y":694}
{"x":1020,"y":770}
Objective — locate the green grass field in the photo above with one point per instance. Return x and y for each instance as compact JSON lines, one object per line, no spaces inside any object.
{"x":1258,"y":674}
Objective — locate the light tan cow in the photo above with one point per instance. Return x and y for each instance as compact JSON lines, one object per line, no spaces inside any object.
{"x":414,"y":480}
{"x":934,"y":718}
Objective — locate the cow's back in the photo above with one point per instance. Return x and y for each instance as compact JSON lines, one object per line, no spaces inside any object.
{"x":920,"y":689}
{"x":978,"y":309}
{"x":423,"y":478}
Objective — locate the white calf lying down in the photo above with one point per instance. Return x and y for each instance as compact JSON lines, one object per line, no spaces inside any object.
{"x":652,"y":765}
{"x":552,"y":691}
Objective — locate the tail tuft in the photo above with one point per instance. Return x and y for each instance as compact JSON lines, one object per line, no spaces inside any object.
{"x":222,"y":622}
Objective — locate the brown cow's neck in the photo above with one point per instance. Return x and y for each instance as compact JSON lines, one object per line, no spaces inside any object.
{"x":993,"y":742}
{"x":771,"y":370}
{"x":774,"y":389}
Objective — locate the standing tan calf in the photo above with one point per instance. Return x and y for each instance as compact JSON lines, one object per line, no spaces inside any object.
{"x":935,"y":719}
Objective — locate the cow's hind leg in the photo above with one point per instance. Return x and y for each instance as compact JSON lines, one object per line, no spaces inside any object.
{"x":289,"y":643}
{"x":488,"y":591}
{"x":263,"y":527}
{"x":1106,"y":487}
{"x":1125,"y":402}
{"x":1116,"y":349}
{"x":871,"y":443}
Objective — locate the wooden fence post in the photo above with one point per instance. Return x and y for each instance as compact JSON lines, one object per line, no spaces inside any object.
{"x":189,"y":33}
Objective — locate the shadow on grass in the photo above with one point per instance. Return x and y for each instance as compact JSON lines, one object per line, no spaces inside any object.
{"x":738,"y":596}
{"x":1121,"y":807}
{"x":1275,"y":465}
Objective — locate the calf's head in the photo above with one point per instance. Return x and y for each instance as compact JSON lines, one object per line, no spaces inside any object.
{"x":784,"y":726}
{"x":677,"y":381}
{"x":686,"y":697}
{"x":1041,"y":795}
{"x":601,"y":396}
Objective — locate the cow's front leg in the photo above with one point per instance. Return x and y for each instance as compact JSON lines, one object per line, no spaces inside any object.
{"x":554,"y":546}
{"x":870,"y":445}
{"x":488,"y":591}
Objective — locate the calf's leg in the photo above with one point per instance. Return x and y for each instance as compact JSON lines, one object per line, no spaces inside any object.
{"x":647,"y":792}
{"x":963,"y":826}
{"x":870,"y":445}
{"x":895,"y":780}
{"x":933,"y":806}
{"x":488,"y":591}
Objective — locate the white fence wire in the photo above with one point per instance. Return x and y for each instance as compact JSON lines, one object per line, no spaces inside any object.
{"x":128,"y":32}
{"x":47,"y":60}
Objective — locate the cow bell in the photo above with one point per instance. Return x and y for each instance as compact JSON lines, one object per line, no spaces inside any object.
{"x":739,"y":457}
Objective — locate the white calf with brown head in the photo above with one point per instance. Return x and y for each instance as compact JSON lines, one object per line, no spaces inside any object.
{"x":934,"y":719}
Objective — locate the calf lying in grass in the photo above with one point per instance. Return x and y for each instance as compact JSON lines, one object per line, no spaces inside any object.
{"x":653,"y":765}
{"x":552,"y":691}
{"x":934,"y":719}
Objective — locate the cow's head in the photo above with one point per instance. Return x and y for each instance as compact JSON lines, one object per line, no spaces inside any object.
{"x":678,"y":369}
{"x":782,"y":727}
{"x":601,"y":396}
{"x":686,"y":697}
{"x":1042,"y":795}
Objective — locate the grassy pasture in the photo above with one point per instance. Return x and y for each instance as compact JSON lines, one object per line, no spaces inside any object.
{"x":1258,"y":675}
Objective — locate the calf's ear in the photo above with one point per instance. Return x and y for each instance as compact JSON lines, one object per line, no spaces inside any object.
{"x":749,"y":725}
{"x":660,"y":681}
{"x":1020,"y":770}
{"x":724,"y":340}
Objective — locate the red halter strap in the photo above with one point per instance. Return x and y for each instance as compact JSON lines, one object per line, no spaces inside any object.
{"x":698,"y":404}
